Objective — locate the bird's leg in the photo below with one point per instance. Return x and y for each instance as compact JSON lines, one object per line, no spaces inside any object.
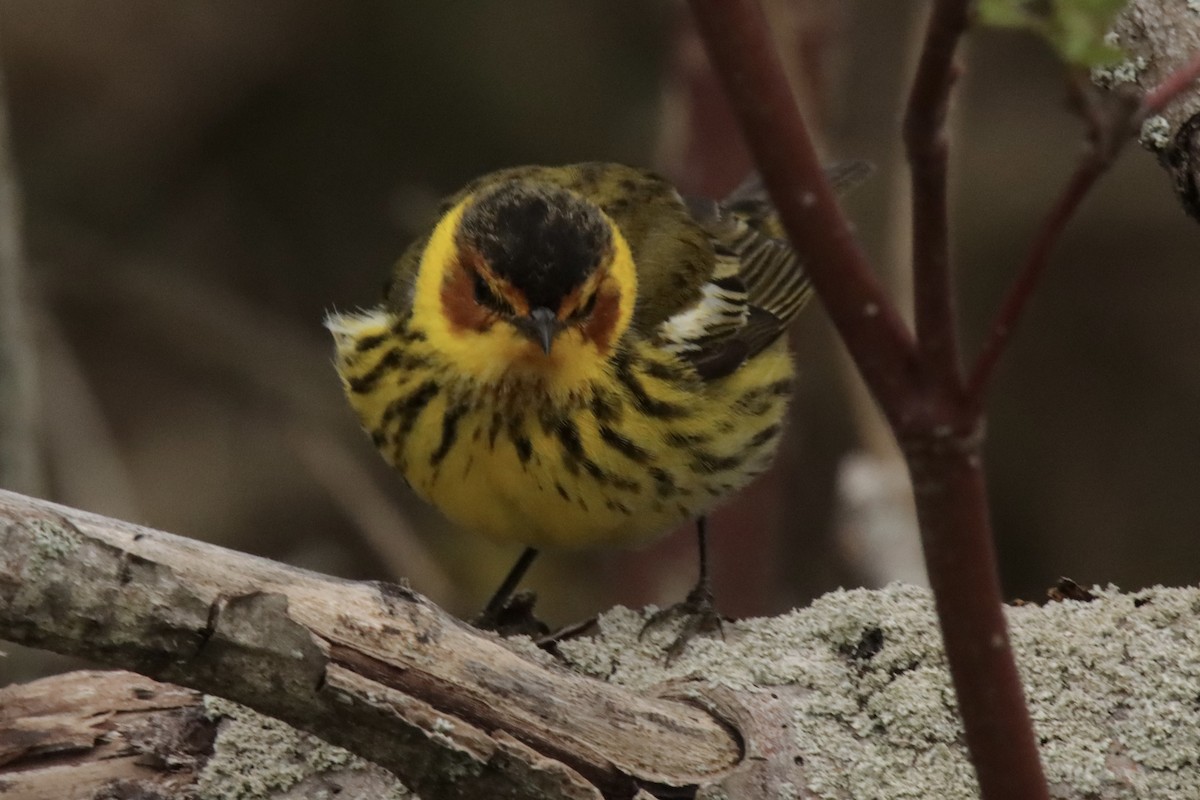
{"x":507,"y":613}
{"x":701,"y":594}
{"x":698,"y":609}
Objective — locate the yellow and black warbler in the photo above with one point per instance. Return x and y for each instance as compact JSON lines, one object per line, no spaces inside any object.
{"x":578,"y":356}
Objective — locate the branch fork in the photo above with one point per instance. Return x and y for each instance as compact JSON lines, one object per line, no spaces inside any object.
{"x":936,"y":414}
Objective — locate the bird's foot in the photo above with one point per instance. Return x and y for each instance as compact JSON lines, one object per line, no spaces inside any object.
{"x":514,"y":617}
{"x":700,"y":617}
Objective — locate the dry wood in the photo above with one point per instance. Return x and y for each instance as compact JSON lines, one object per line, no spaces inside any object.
{"x":849,"y":698}
{"x":373,"y":667}
{"x":123,"y":736}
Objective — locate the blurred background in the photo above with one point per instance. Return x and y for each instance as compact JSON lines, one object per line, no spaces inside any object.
{"x":202,"y":182}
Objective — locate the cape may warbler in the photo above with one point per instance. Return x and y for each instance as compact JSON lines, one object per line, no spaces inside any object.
{"x":577,"y":356}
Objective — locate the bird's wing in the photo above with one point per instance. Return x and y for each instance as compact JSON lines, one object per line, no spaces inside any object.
{"x":758,"y":286}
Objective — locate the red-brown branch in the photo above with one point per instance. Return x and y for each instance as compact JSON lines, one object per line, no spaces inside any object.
{"x":743,"y":54}
{"x":939,"y":439}
{"x":944,"y":457}
{"x":925,"y":140}
{"x":1085,"y":176}
{"x":1178,"y":81}
{"x":1108,"y":133}
{"x":960,"y":558}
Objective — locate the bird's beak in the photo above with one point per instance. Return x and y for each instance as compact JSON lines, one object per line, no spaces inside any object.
{"x":542,"y":324}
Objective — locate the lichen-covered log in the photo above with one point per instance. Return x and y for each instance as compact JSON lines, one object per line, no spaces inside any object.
{"x":848,"y":698}
{"x":372,"y":667}
{"x":1159,"y":37}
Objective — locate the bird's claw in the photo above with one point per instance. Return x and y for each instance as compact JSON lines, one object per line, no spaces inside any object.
{"x":515,"y":617}
{"x":700,"y":617}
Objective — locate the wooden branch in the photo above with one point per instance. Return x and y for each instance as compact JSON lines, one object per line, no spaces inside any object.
{"x":1087,"y":172}
{"x":736,"y":37}
{"x":122,"y":736}
{"x":849,"y":698}
{"x":941,"y":439}
{"x":1112,"y":120}
{"x":925,"y":141}
{"x":372,"y":667}
{"x":1161,"y":41}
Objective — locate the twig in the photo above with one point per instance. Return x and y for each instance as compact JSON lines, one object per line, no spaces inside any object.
{"x":941,"y":440}
{"x":1080,"y":183}
{"x":1110,"y":128}
{"x":1174,"y":84}
{"x":924,"y":138}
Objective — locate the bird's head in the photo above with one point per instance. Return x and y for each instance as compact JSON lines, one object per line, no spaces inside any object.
{"x":529,"y":277}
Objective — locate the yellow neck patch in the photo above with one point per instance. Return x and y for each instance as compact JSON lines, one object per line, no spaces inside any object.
{"x":500,"y":354}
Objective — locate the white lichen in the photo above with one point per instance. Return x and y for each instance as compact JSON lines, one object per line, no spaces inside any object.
{"x":258,"y":757}
{"x":1122,"y":72}
{"x":1156,"y":133}
{"x":1108,"y":681}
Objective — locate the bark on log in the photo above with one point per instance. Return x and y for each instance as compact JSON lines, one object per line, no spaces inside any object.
{"x":375,"y":668}
{"x":123,"y":736}
{"x":1159,"y":37}
{"x":847,"y":699}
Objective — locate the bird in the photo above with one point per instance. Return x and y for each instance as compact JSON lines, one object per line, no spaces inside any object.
{"x":579,"y":356}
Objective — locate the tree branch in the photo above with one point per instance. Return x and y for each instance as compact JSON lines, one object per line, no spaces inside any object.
{"x":1161,"y":43}
{"x":1086,"y":174}
{"x":941,"y":443}
{"x":924,"y":138}
{"x":741,"y":49}
{"x":124,"y":736}
{"x":1112,"y":121}
{"x":1172,"y":87}
{"x":375,"y":668}
{"x":847,"y":698}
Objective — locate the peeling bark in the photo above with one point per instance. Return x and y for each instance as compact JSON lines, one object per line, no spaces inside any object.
{"x":122,"y":736}
{"x":372,"y":667}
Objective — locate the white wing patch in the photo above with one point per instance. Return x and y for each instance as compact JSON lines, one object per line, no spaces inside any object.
{"x":721,"y":311}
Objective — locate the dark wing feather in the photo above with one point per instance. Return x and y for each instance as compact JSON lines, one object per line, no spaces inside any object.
{"x":768,"y":269}
{"x":759,"y":285}
{"x":727,"y":354}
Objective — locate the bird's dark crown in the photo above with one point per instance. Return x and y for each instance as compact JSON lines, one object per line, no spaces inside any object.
{"x":543,"y":240}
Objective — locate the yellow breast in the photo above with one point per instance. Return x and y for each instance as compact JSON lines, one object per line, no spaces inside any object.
{"x":637,"y":445}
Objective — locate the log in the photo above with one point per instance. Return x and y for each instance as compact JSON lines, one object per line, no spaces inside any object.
{"x":848,"y":698}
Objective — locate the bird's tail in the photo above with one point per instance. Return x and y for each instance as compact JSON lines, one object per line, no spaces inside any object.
{"x":750,"y":201}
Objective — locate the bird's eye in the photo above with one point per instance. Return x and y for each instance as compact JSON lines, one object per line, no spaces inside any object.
{"x":486,"y":297}
{"x":585,"y":309}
